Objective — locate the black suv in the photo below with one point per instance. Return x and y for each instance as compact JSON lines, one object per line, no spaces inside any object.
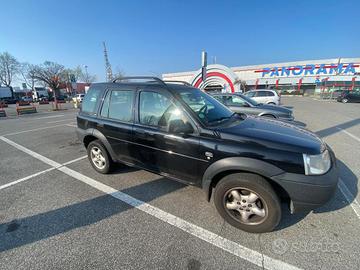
{"x":250,"y":164}
{"x":349,"y":96}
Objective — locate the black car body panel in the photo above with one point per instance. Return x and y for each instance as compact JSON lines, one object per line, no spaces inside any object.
{"x":349,"y":96}
{"x":270,"y":148}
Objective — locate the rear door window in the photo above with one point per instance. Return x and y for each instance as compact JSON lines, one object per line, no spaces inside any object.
{"x":118,"y":105}
{"x":261,"y":94}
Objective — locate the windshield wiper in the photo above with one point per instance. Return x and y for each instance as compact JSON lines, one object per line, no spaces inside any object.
{"x":223,"y":118}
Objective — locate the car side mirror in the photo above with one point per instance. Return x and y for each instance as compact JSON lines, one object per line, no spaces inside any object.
{"x":180,"y":127}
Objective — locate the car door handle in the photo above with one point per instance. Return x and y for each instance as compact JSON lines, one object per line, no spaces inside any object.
{"x":144,"y":132}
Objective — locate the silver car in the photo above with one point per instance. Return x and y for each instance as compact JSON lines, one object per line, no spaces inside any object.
{"x":242,"y":104}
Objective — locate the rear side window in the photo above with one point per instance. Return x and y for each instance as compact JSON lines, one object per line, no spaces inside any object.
{"x":91,"y":100}
{"x":270,"y":94}
{"x":261,"y":94}
{"x":118,"y":105}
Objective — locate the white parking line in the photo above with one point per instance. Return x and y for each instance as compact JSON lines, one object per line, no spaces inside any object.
{"x":349,"y":197}
{"x":234,"y":248}
{"x":58,"y":121}
{"x":348,"y":133}
{"x":26,"y":178}
{"x":71,"y":125}
{"x":35,"y":129}
{"x":38,"y":173}
{"x":51,"y":116}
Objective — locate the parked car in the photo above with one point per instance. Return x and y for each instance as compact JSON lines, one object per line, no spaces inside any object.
{"x":27,"y":99}
{"x":78,"y":98}
{"x":248,"y":164}
{"x":349,"y":96}
{"x":242,"y":104}
{"x":264,"y":96}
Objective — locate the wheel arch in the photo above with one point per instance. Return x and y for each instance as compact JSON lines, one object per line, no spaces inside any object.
{"x":221,"y":168}
{"x":94,"y":134}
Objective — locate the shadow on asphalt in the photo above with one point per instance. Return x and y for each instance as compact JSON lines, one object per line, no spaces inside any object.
{"x":41,"y":226}
{"x":335,"y":129}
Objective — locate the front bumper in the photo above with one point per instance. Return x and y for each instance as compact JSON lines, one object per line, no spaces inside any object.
{"x":308,"y":192}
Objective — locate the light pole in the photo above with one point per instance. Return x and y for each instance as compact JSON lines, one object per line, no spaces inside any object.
{"x":86,"y":74}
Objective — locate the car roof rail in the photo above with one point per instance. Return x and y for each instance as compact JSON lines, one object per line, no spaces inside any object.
{"x":154,"y":79}
{"x":182,"y":82}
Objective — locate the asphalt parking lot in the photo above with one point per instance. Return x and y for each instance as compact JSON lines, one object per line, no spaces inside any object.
{"x":57,"y":212}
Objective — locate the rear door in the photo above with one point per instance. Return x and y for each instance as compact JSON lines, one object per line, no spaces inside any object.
{"x":116,"y":122}
{"x":262,"y":97}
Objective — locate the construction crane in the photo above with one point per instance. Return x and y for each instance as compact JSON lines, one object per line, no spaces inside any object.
{"x":108,"y":70}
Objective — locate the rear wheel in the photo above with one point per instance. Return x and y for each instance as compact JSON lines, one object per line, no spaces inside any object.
{"x":248,"y":202}
{"x":99,"y":157}
{"x":344,"y":100}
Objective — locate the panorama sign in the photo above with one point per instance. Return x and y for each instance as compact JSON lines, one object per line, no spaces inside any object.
{"x":308,"y":70}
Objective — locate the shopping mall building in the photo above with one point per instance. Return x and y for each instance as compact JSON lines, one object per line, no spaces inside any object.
{"x":298,"y":77}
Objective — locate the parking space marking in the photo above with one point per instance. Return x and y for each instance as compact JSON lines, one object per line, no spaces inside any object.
{"x":74,"y":160}
{"x":225,"y":244}
{"x":71,"y":125}
{"x":349,"y":197}
{"x":350,"y":134}
{"x":26,"y":178}
{"x":39,"y":173}
{"x":30,"y":130}
{"x":51,"y":116}
{"x":58,"y":121}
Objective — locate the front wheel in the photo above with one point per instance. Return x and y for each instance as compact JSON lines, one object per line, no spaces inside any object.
{"x":248,"y":202}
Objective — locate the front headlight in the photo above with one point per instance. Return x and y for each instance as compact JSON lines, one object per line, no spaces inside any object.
{"x":317,"y":164}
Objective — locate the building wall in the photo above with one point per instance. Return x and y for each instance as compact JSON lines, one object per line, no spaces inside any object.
{"x":311,"y":72}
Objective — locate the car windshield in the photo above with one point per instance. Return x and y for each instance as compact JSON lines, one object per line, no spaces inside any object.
{"x":208,"y":110}
{"x":249,"y":100}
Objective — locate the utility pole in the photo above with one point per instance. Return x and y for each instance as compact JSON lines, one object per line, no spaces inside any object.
{"x":108,"y":70}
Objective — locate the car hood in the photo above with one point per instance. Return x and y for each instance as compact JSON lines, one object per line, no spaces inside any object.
{"x":274,"y":108}
{"x":273,"y":134}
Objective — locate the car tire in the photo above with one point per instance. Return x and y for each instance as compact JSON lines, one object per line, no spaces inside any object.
{"x":248,"y":202}
{"x":99,"y":157}
{"x":344,"y":100}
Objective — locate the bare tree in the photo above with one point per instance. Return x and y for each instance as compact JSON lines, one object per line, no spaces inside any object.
{"x":53,"y":74}
{"x":242,"y":83}
{"x":119,"y":73}
{"x":9,"y":68}
{"x":82,"y":75}
{"x":27,"y":72}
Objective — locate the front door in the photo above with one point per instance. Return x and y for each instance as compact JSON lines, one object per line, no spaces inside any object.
{"x":160,"y":145}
